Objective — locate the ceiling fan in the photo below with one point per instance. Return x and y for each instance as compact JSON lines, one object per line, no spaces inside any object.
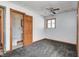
{"x":52,"y":10}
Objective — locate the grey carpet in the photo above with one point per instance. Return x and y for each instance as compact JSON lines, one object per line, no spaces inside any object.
{"x":45,"y":48}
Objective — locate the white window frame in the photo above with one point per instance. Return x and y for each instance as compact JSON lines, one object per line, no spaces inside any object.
{"x":46,"y":23}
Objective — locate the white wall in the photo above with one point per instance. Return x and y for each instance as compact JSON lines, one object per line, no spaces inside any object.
{"x":38,"y":27}
{"x":65,"y":28}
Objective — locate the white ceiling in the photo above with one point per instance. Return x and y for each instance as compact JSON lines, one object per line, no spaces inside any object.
{"x":40,"y":6}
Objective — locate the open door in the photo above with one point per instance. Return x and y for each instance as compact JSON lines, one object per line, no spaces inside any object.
{"x":27,"y":25}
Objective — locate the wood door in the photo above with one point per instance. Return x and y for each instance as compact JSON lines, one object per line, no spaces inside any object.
{"x":78,"y":30}
{"x":1,"y":28}
{"x":27,"y":25}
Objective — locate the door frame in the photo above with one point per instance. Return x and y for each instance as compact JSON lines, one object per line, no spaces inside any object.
{"x":2,"y":26}
{"x":77,"y":43}
{"x":12,"y":10}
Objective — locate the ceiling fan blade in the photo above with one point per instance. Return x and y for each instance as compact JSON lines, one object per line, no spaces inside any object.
{"x":53,"y":12}
{"x":56,"y":9}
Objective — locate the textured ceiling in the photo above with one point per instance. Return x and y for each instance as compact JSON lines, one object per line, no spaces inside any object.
{"x":40,"y":6}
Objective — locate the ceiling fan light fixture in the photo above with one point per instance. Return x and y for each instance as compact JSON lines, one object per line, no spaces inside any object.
{"x":52,"y":10}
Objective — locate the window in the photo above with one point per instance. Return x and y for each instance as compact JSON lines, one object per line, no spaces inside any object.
{"x":51,"y":23}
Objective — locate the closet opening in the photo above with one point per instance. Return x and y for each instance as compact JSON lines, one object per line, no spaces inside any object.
{"x":20,"y":29}
{"x":17,"y":29}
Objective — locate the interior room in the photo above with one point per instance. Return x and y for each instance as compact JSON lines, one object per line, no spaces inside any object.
{"x":41,"y":29}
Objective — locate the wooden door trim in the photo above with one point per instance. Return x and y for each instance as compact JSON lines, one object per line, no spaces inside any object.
{"x":16,"y":11}
{"x":12,"y":10}
{"x":77,"y":46}
{"x":2,"y":26}
{"x":10,"y":31}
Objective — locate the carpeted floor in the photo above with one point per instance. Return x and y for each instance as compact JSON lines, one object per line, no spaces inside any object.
{"x":45,"y":48}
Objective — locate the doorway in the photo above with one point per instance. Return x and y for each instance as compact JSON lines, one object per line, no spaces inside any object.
{"x":17,"y":30}
{"x":20,"y":27}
